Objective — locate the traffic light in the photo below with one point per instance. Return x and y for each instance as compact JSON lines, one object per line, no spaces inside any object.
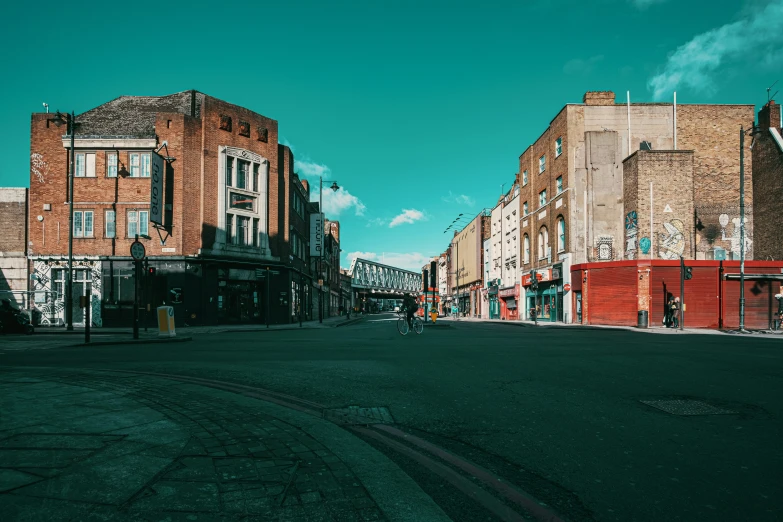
{"x":433,"y":274}
{"x":688,"y":273}
{"x":425,"y":279}
{"x":533,"y":280}
{"x":151,"y":271}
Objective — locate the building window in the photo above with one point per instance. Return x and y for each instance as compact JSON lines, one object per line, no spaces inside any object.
{"x":542,"y":198}
{"x":111,"y":164}
{"x":254,"y":239}
{"x":561,"y":239}
{"x":230,"y":236}
{"x":244,"y":231}
{"x":243,"y":169}
{"x":229,"y":171}
{"x":524,"y":209}
{"x":82,"y":223}
{"x":138,"y":222}
{"x":85,"y":165}
{"x":542,"y":164}
{"x":543,"y":243}
{"x":558,"y":147}
{"x":255,"y":177}
{"x":242,"y":201}
{"x":516,"y":190}
{"x":111,"y":222}
{"x":139,"y":165}
{"x":526,"y":253}
{"x":559,"y":184}
{"x":524,"y":179}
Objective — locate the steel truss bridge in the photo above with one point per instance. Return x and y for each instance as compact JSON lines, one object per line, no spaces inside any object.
{"x":369,"y":276}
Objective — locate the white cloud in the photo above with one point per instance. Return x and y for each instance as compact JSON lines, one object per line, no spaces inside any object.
{"x":644,"y":4}
{"x":376,"y":222}
{"x":408,"y":260}
{"x":461,"y":199}
{"x":580,"y":66}
{"x":408,"y":215}
{"x":695,"y":64}
{"x":337,"y":202}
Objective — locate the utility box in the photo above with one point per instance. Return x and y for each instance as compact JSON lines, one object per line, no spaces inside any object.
{"x":166,"y":321}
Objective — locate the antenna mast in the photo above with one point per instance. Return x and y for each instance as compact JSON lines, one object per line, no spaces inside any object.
{"x":769,"y":98}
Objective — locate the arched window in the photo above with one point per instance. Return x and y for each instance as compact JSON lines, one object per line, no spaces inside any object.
{"x":561,"y":234}
{"x":543,"y":243}
{"x":526,"y":253}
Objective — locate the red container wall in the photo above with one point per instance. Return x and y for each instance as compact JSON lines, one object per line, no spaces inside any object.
{"x":611,"y":295}
{"x":760,"y":303}
{"x":701,"y":299}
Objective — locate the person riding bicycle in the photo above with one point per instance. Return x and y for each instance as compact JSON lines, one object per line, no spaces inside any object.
{"x":410,"y":306}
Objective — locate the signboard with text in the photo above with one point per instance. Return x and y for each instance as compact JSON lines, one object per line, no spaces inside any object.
{"x":316,"y":234}
{"x":156,"y":188}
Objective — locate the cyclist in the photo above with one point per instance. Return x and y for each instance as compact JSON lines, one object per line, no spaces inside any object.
{"x":410,"y":306}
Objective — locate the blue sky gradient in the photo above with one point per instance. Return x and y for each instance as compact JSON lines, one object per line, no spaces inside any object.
{"x":419,"y":110}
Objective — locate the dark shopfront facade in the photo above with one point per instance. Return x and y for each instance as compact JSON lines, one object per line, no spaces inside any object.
{"x":204,"y":292}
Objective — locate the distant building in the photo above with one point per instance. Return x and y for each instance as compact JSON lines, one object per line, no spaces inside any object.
{"x":768,"y":185}
{"x":13,"y":246}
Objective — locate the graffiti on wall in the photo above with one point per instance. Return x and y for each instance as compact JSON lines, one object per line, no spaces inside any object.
{"x":49,"y":287}
{"x":735,"y":236}
{"x":38,"y":166}
{"x":645,"y":244}
{"x":631,"y":232}
{"x":605,"y":251}
{"x":672,"y":242}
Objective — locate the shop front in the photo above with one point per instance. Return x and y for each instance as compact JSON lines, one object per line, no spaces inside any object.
{"x":494,"y":305}
{"x":547,"y":300}
{"x":509,"y":297}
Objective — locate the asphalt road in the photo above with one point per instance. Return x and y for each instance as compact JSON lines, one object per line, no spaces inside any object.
{"x":558,"y":413}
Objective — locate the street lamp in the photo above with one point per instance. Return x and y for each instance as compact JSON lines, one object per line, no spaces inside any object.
{"x":70,"y":121}
{"x":755,"y":130}
{"x":334,"y":188}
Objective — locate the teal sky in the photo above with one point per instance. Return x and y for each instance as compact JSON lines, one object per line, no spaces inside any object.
{"x":419,"y":110}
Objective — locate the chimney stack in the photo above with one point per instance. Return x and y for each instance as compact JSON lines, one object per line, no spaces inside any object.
{"x":598,"y":98}
{"x":769,"y":116}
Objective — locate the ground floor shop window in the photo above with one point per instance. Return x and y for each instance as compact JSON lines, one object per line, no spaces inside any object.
{"x":240,"y":302}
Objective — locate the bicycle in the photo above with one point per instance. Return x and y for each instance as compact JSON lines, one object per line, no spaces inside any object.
{"x":403,"y":328}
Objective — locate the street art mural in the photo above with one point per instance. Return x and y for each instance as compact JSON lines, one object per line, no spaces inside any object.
{"x":48,"y":279}
{"x":604,"y":245}
{"x":735,"y":237}
{"x":39,"y":167}
{"x":631,"y":232}
{"x":672,"y":242}
{"x":644,"y":244}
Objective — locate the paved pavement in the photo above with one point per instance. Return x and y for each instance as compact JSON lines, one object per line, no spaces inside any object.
{"x":490,"y":422}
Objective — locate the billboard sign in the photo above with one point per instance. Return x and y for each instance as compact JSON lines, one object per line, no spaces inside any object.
{"x":156,"y":188}
{"x":316,"y":234}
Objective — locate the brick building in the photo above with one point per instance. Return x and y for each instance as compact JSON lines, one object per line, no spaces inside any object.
{"x":230,"y":194}
{"x":13,"y":245}
{"x":572,"y":190}
{"x":768,"y":184}
{"x":331,"y":269}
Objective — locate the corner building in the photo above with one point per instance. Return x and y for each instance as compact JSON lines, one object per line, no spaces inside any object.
{"x":572,"y":186}
{"x":229,"y":194}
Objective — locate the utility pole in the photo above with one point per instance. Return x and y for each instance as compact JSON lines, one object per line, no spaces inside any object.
{"x":742,"y":231}
{"x":682,"y":293}
{"x":69,"y":281}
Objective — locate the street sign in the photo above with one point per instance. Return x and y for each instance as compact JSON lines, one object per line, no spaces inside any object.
{"x":261,"y":273}
{"x":156,"y":189}
{"x":567,"y":287}
{"x":137,"y":251}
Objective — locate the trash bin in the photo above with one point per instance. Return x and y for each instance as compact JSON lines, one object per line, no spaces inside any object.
{"x":166,"y":321}
{"x":642,"y":319}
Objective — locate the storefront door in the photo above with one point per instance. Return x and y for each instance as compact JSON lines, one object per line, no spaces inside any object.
{"x":578,"y":298}
{"x":239,"y":302}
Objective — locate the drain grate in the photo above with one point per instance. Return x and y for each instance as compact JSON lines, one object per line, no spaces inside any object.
{"x":360,"y":415}
{"x":687,"y":407}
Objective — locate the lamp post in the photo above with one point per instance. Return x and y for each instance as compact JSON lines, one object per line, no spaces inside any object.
{"x":70,"y":121}
{"x":334,"y":188}
{"x":753,"y":132}
{"x":458,"y":221}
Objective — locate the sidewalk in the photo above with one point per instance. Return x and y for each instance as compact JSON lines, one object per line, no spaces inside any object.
{"x":651,"y":330}
{"x":92,"y":445}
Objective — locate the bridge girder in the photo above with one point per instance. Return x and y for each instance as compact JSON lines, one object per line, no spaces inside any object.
{"x":369,"y":275}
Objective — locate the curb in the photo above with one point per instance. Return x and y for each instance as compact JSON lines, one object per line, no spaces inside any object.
{"x":348,"y":322}
{"x":131,"y":341}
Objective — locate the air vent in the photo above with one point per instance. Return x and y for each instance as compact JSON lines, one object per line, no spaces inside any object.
{"x":645,"y":145}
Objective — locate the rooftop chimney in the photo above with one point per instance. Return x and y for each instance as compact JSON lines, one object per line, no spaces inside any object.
{"x":769,"y":115}
{"x":598,"y":98}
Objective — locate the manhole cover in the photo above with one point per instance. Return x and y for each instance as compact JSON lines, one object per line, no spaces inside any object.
{"x":687,"y":407}
{"x":359,"y":415}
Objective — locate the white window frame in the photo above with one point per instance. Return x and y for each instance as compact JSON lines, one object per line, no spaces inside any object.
{"x":525,"y":209}
{"x":80,"y":216}
{"x":80,"y":166}
{"x":542,"y":163}
{"x":542,"y":198}
{"x":139,"y":167}
{"x":526,"y":243}
{"x":559,"y":182}
{"x":138,"y":221}
{"x":558,"y":146}
{"x":524,"y":179}
{"x":543,"y":243}
{"x":112,"y":165}
{"x":561,"y":239}
{"x":253,"y":189}
{"x":112,"y":221}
